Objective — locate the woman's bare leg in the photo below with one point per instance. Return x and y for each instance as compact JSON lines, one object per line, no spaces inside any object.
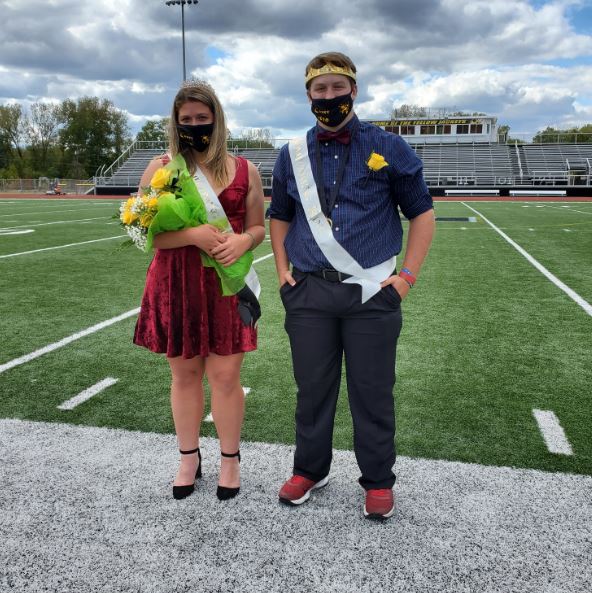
{"x":187,"y":403}
{"x":228,"y":409}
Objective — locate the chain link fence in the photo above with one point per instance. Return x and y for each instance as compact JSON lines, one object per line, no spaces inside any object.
{"x":43,"y":185}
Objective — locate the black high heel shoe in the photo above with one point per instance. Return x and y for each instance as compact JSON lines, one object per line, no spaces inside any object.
{"x":224,"y":493}
{"x":180,"y":492}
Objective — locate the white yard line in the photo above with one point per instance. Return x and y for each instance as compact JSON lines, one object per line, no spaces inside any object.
{"x":87,"y":394}
{"x":564,"y":287}
{"x":81,"y":334}
{"x":552,"y":432}
{"x":46,"y":212}
{"x":56,"y":345}
{"x":61,"y":246}
{"x":4,"y":233}
{"x":565,"y":209}
{"x":262,"y":258}
{"x":27,"y":226}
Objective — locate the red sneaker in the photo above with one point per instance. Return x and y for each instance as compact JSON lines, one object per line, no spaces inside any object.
{"x":298,"y":488}
{"x":380,"y":503}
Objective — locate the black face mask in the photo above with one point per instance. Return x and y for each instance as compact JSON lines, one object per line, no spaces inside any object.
{"x":332,"y":112}
{"x":196,"y":137}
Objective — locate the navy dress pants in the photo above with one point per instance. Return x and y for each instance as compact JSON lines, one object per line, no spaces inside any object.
{"x":325,"y":321}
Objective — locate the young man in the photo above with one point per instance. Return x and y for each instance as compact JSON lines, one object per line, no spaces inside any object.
{"x":334,"y":216}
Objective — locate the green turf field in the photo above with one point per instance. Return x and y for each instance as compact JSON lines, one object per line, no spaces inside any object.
{"x":487,"y":337}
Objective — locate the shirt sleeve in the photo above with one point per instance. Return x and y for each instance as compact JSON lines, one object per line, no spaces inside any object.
{"x":282,"y":206}
{"x":408,"y":187}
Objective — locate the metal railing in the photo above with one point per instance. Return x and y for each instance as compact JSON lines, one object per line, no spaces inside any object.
{"x":519,"y":159}
{"x":552,"y":138}
{"x":537,"y":177}
{"x":119,"y":181}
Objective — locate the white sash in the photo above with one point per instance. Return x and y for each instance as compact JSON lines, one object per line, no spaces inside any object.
{"x":368,"y":278}
{"x":216,"y":212}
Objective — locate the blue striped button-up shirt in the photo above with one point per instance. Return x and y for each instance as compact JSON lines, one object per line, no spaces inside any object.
{"x":365,"y":216}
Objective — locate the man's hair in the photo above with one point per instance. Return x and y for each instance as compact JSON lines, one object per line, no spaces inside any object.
{"x":335,"y":58}
{"x":201,"y":91}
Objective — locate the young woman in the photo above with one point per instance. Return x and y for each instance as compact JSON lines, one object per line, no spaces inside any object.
{"x":183,"y":313}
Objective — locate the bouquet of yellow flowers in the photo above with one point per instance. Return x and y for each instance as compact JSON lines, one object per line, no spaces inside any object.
{"x":170,"y":203}
{"x":136,"y":215}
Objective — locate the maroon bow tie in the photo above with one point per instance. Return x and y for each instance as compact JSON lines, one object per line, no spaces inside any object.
{"x":343,"y":136}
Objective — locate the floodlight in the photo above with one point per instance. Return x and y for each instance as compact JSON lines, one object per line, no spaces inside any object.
{"x":182,"y":3}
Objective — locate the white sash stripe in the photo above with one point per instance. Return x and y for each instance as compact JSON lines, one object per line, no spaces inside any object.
{"x":215,"y":211}
{"x":370,"y":278}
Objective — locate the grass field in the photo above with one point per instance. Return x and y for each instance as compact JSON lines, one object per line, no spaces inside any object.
{"x":487,"y":337}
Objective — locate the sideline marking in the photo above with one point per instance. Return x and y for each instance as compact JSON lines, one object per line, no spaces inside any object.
{"x":81,"y":334}
{"x":51,"y":347}
{"x":62,"y":246}
{"x":566,"y":289}
{"x":552,"y":432}
{"x":87,"y":394}
{"x":210,"y":418}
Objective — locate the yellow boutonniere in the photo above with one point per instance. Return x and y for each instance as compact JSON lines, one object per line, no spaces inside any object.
{"x":376,"y":162}
{"x":161,"y":178}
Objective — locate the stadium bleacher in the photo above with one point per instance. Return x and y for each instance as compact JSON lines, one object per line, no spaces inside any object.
{"x":465,"y":164}
{"x":555,"y":164}
{"x":446,"y":165}
{"x":126,"y":178}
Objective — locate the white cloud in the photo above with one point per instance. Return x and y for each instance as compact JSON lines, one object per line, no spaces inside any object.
{"x":523,"y":62}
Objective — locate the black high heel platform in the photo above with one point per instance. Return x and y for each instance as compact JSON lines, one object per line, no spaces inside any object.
{"x":224,"y":493}
{"x":180,"y":492}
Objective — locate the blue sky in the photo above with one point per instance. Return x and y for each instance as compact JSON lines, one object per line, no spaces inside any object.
{"x":581,"y":17}
{"x":527,"y":62}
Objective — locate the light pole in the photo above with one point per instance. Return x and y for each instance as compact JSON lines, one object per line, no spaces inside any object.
{"x":182,"y":3}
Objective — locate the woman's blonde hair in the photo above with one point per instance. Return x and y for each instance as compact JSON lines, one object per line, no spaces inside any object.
{"x":216,"y":153}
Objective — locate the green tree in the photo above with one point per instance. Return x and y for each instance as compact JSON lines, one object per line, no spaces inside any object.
{"x":503,"y":134}
{"x":94,"y":133}
{"x":552,"y":135}
{"x":9,"y":172}
{"x":12,"y":129}
{"x":154,"y":130}
{"x":252,"y":138}
{"x":406,"y":111}
{"x":42,"y":133}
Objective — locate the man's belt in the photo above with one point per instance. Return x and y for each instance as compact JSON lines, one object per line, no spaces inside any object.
{"x":327,"y":274}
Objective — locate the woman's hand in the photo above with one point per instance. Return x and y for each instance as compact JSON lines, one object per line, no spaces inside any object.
{"x":232,"y":248}
{"x":207,"y":237}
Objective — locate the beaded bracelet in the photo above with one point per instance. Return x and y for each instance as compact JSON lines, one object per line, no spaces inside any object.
{"x":252,"y":240}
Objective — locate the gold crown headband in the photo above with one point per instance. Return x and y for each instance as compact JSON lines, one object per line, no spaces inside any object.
{"x":196,"y":83}
{"x":329,"y":69}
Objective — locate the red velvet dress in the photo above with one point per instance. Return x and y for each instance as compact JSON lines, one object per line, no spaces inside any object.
{"x":183,"y":312}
